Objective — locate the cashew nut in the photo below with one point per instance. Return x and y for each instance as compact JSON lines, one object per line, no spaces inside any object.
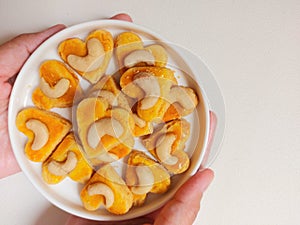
{"x":133,"y":91}
{"x":150,"y":86}
{"x":92,"y":61}
{"x":138,"y":56}
{"x":184,"y":96}
{"x":123,"y":102}
{"x":109,"y":97}
{"x":41,"y":133}
{"x":97,"y":130}
{"x":113,"y":100}
{"x":138,"y":121}
{"x":60,"y":88}
{"x":164,"y":147}
{"x":102,"y":189}
{"x":145,"y":180}
{"x":63,"y":168}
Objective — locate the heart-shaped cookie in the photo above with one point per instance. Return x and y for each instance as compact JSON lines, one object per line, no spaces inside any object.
{"x":149,"y":86}
{"x":167,"y":144}
{"x":44,"y":129}
{"x":107,"y":188}
{"x":144,"y":175}
{"x":105,"y":134}
{"x":182,"y":100}
{"x":130,"y":52}
{"x":58,"y":86}
{"x":67,"y":160}
{"x":91,"y":57}
{"x":159,"y":96}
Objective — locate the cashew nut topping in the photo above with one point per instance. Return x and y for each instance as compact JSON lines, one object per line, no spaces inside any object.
{"x":60,"y":88}
{"x":184,"y":96}
{"x":41,"y":133}
{"x":63,"y":168}
{"x":138,"y":121}
{"x":102,"y":189}
{"x":109,"y":97}
{"x":92,"y":61}
{"x":138,"y":56}
{"x":123,"y":102}
{"x":146,"y":180}
{"x":164,"y":147}
{"x":97,"y":130}
{"x":150,"y":86}
{"x":113,"y":100}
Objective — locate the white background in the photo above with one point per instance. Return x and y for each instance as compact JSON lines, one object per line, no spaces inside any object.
{"x":253,"y":49}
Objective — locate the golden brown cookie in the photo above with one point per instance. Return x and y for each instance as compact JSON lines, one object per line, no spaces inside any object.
{"x":90,"y":58}
{"x":130,"y":52}
{"x":44,"y":129}
{"x":107,"y":188}
{"x":67,"y":160}
{"x":182,"y":100}
{"x":149,"y":86}
{"x":167,"y":145}
{"x":105,"y":134}
{"x":144,"y":175}
{"x":58,"y":86}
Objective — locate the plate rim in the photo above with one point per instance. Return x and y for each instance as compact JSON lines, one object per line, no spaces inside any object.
{"x":11,"y":117}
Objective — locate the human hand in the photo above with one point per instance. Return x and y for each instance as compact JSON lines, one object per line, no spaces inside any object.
{"x":13,"y":55}
{"x":181,"y":209}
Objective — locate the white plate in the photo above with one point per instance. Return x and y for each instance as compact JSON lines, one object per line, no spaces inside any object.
{"x":65,"y":195}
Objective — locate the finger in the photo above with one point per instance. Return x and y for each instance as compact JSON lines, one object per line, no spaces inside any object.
{"x":15,"y":52}
{"x":185,"y":205}
{"x":8,"y":163}
{"x":122,"y":16}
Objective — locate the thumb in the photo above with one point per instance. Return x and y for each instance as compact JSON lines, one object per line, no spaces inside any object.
{"x":184,"y":207}
{"x":15,"y":52}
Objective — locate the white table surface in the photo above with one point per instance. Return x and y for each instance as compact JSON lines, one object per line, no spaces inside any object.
{"x":253,"y":49}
